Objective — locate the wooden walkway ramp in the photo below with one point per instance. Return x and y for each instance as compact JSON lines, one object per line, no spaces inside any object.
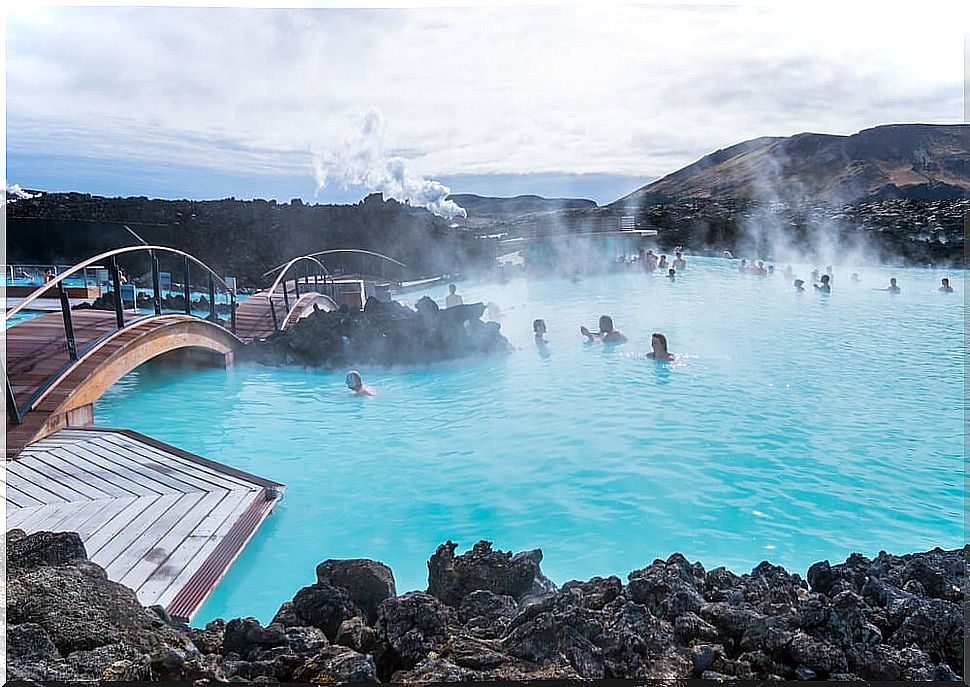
{"x":254,"y":317}
{"x":164,"y":522}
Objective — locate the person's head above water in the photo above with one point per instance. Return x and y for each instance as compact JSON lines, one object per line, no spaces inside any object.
{"x":658,"y":341}
{"x":353,"y":380}
{"x":452,"y":288}
{"x":825,"y":279}
{"x":606,"y":323}
{"x":892,"y":281}
{"x":539,"y":326}
{"x":671,"y":272}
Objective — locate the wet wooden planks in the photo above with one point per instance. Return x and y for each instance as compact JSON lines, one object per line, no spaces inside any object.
{"x":164,"y":522}
{"x":254,"y":320}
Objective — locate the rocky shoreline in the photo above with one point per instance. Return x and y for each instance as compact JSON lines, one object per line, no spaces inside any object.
{"x":492,"y":615}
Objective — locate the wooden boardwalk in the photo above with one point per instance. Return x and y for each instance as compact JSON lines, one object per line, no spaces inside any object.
{"x":254,"y":319}
{"x":53,"y":391}
{"x":164,"y":522}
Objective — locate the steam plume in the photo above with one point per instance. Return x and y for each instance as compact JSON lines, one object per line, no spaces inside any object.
{"x":14,"y":192}
{"x":361,"y":161}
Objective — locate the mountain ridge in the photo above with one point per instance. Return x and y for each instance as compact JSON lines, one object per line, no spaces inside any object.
{"x":918,"y":161}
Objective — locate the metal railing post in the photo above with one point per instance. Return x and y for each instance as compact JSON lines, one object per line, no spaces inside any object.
{"x":119,"y":302}
{"x":68,"y":322}
{"x":186,"y":291}
{"x":13,"y":410}
{"x":232,"y":311}
{"x":156,"y":287}
{"x":296,"y":286}
{"x":272,"y":311}
{"x":286,"y":297}
{"x":213,"y":315}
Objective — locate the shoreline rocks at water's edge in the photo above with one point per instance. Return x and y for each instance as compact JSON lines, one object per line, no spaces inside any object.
{"x":384,"y":333}
{"x":491,"y":615}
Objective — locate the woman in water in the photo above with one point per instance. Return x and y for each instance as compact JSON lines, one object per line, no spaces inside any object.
{"x":356,"y":384}
{"x":659,"y":344}
{"x":824,"y":287}
{"x":539,"y":327}
{"x":946,"y":288}
{"x":607,"y":334}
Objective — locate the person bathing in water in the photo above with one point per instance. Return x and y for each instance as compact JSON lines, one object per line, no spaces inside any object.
{"x":824,"y":287}
{"x":658,"y":342}
{"x":946,"y":288}
{"x":892,"y":288}
{"x":663,"y":262}
{"x":539,"y":327}
{"x":356,"y":384}
{"x":607,"y":334}
{"x":679,"y":262}
{"x":672,"y":274}
{"x":800,"y":285}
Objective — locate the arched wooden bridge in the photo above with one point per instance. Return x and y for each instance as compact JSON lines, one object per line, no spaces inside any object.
{"x":57,"y":365}
{"x":60,"y":363}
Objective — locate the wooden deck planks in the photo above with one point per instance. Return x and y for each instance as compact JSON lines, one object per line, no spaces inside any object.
{"x":160,"y":520}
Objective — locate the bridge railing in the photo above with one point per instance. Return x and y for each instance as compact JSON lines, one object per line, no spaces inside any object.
{"x":55,"y":288}
{"x":311,"y":268}
{"x":348,"y":261}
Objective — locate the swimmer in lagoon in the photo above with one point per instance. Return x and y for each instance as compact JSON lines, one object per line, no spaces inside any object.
{"x":814,"y":276}
{"x":789,"y":273}
{"x":800,"y":285}
{"x":946,"y":288}
{"x":744,"y":266}
{"x":356,"y":384}
{"x":728,"y":255}
{"x":892,"y":288}
{"x":539,"y":327}
{"x":650,"y":261}
{"x":607,"y":334}
{"x":452,"y":299}
{"x":824,"y":287}
{"x":679,"y":262}
{"x":659,"y":344}
{"x":672,"y":274}
{"x":663,"y":262}
{"x":854,"y":278}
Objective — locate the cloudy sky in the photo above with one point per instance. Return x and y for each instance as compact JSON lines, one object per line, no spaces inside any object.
{"x":325,"y":104}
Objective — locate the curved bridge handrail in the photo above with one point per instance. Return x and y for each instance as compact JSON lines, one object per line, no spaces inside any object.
{"x":286,"y":266}
{"x":111,"y":253}
{"x":305,"y":298}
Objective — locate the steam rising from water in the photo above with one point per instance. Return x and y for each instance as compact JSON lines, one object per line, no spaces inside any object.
{"x":361,"y":161}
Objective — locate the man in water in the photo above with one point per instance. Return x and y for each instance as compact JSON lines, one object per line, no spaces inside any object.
{"x":800,"y":285}
{"x":892,"y":288}
{"x":824,"y":287}
{"x":452,"y":299}
{"x":658,"y":342}
{"x":663,"y":262}
{"x":356,"y":384}
{"x":607,"y":334}
{"x":650,"y":261}
{"x":672,"y":274}
{"x":743,"y":267}
{"x":946,"y":288}
{"x":679,"y":262}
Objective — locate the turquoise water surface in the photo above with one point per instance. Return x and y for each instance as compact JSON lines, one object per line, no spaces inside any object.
{"x":791,"y":428}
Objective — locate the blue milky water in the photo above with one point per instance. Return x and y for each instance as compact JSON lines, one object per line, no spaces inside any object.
{"x":792,"y":428}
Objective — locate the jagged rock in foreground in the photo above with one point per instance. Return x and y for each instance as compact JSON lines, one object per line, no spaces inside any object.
{"x":385,"y":333}
{"x":491,"y":615}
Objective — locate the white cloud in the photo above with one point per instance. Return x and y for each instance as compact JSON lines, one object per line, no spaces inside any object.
{"x":621,"y":89}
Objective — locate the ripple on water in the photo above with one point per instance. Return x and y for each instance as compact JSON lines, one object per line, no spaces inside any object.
{"x":791,"y":427}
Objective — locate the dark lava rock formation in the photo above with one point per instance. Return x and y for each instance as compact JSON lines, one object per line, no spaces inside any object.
{"x":385,"y":333}
{"x":490,"y":615}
